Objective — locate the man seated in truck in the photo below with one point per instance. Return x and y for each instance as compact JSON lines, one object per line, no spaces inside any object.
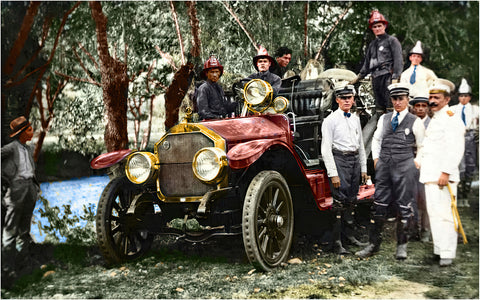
{"x":262,"y":63}
{"x":211,"y":102}
{"x":283,"y":56}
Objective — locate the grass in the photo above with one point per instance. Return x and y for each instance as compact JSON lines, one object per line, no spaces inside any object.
{"x":220,"y":270}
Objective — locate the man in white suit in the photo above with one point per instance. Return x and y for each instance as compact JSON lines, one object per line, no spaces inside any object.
{"x":417,"y":76}
{"x":441,"y":154}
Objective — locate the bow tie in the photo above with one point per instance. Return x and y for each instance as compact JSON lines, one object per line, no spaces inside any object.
{"x":347,"y":114}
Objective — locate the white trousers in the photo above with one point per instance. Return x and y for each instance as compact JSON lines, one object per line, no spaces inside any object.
{"x":441,"y":219}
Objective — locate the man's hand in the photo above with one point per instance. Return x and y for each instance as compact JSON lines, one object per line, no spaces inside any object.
{"x":355,"y":80}
{"x":375,"y":163}
{"x":335,"y":181}
{"x":395,"y":80}
{"x":364,"y":178}
{"x":417,"y":165}
{"x":443,"y":180}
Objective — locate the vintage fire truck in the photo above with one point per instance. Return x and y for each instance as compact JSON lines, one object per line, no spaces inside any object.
{"x":258,"y":175}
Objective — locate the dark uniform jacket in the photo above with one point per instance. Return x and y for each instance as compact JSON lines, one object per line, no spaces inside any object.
{"x":269,"y":77}
{"x":383,"y":56}
{"x":211,"y":102}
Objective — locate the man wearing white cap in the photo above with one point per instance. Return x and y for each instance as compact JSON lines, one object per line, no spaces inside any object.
{"x":417,"y":76}
{"x":442,"y":152}
{"x":420,"y":109}
{"x":343,"y":153}
{"x":393,"y":145}
{"x":262,"y":63}
{"x":468,"y":113}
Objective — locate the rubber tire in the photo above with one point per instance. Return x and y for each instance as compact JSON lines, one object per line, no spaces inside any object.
{"x":115,"y":199}
{"x":259,"y":187}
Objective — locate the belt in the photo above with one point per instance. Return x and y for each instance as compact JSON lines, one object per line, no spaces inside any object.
{"x":345,"y":153}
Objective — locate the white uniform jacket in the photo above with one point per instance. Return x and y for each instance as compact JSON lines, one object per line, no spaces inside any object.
{"x":343,"y":134}
{"x":443,"y":147}
{"x":423,"y":76}
{"x":471,"y":114}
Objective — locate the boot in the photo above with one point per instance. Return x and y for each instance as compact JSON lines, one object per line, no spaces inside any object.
{"x":337,"y":237}
{"x":426,"y":236}
{"x":353,"y":240}
{"x":338,"y":248}
{"x":375,"y":236}
{"x":401,"y":251}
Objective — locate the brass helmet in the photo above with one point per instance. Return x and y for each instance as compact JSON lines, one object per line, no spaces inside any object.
{"x":211,"y":63}
{"x":376,"y":17}
{"x":262,"y":53}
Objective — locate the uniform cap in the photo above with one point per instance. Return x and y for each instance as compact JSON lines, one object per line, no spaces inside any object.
{"x":399,"y":89}
{"x":262,"y":53}
{"x":464,"y":88}
{"x":441,"y":85}
{"x":417,"y":49}
{"x":345,"y":90}
{"x":420,"y":97}
{"x":376,"y":17}
{"x":211,"y":63}
{"x":18,"y":125}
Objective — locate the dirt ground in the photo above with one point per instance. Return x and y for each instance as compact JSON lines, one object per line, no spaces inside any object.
{"x":220,"y":269}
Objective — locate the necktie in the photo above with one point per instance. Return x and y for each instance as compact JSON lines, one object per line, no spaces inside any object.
{"x":414,"y":75}
{"x":395,"y":122}
{"x":347,"y":114}
{"x":463,"y":116}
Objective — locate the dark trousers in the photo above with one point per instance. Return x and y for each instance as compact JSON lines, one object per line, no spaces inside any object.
{"x":19,"y":203}
{"x":380,"y":90}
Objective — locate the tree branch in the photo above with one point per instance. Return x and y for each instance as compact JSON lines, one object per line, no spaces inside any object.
{"x":89,"y":56}
{"x":331,"y":30}
{"x":305,"y":31}
{"x":177,"y":28}
{"x":249,"y":35}
{"x":68,"y":77}
{"x":167,"y":57}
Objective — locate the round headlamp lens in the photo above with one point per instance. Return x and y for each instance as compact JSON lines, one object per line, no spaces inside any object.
{"x":257,"y":91}
{"x":140,"y":167}
{"x":209,"y":163}
{"x":280,"y":104}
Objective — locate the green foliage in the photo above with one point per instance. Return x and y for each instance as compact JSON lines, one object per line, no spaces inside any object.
{"x":63,"y":223}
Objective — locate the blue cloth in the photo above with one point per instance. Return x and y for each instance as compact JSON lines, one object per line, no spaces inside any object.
{"x":395,"y":122}
{"x":413,"y":78}
{"x":463,"y":116}
{"x":347,"y":114}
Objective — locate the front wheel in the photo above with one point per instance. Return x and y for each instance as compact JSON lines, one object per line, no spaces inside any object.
{"x":267,"y":220}
{"x":121,"y":236}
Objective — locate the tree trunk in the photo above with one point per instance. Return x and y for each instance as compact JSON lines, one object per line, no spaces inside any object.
{"x":305,"y":27}
{"x":175,"y":93}
{"x":114,"y":85}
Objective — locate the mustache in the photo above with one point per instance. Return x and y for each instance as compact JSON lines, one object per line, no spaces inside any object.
{"x":432,"y":104}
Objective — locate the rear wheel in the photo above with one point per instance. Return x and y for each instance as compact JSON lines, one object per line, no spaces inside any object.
{"x":122,"y":236}
{"x":267,"y":220}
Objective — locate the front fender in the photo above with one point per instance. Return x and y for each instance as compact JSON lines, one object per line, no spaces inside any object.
{"x":106,"y":160}
{"x":243,"y":155}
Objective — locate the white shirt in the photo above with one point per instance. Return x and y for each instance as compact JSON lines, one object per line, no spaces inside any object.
{"x":343,"y":134}
{"x":424,"y":77}
{"x":418,"y":130}
{"x":471,"y":114}
{"x":443,"y":147}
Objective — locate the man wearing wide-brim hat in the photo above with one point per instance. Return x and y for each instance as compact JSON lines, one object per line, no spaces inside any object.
{"x":262,"y":63}
{"x":393,"y":143}
{"x":18,"y":172}
{"x":419,"y":104}
{"x":442,"y":152}
{"x":417,"y":76}
{"x":343,"y":153}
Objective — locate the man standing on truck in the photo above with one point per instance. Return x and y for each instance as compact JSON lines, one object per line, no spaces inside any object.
{"x":417,"y":76}
{"x":211,"y":102}
{"x":343,"y":153}
{"x":383,"y":60}
{"x":393,"y":145}
{"x":262,"y":63}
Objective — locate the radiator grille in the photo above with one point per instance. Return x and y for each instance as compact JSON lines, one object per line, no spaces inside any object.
{"x":176,"y":154}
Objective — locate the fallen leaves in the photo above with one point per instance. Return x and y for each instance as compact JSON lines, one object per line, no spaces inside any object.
{"x":295,"y":261}
{"x":48,"y":273}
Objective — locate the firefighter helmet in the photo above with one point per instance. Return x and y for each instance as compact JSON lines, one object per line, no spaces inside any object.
{"x":464,"y":88}
{"x":211,"y":63}
{"x":376,"y":17}
{"x":417,"y":49}
{"x":262,"y":53}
